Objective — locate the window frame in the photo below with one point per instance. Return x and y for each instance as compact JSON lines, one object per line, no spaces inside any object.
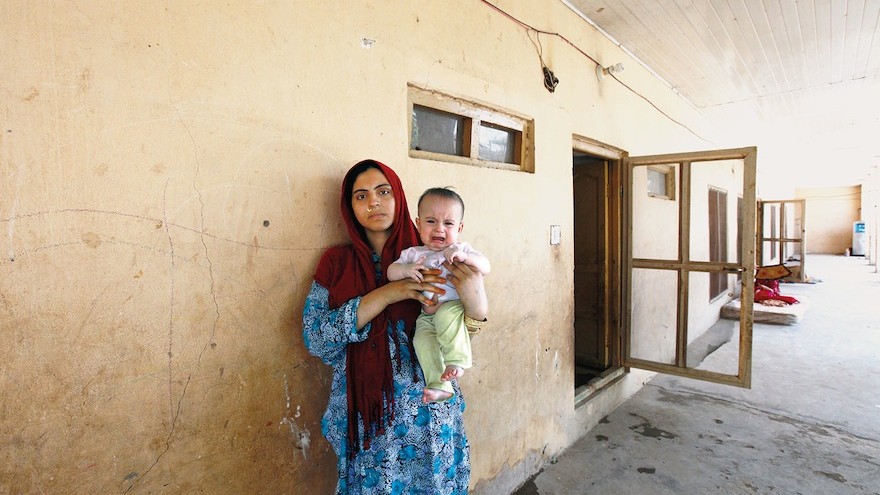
{"x":668,"y":172}
{"x":475,"y":115}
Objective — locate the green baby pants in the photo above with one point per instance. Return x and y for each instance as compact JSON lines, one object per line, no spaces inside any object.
{"x":442,"y":340}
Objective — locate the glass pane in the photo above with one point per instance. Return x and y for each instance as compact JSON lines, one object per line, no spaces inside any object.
{"x":793,"y":253}
{"x":768,"y":253}
{"x":497,"y":144}
{"x":436,"y":131}
{"x":713,"y":325}
{"x":792,"y":228}
{"x":770,"y":247}
{"x":654,"y":220}
{"x":716,"y":187}
{"x":654,"y":318}
{"x":656,"y":182}
{"x":793,"y":217}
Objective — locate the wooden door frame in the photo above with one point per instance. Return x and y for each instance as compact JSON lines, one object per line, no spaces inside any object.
{"x":614,"y":249}
{"x":760,"y":238}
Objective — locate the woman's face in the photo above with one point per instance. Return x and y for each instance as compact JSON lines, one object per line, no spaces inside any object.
{"x":372,"y":201}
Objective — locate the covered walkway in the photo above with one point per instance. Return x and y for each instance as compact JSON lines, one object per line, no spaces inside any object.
{"x":810,"y":424}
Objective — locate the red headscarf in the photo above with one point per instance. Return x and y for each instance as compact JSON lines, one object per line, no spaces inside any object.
{"x":347,"y":272}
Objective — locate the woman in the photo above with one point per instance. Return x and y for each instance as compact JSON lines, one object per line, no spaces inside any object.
{"x":386,"y":440}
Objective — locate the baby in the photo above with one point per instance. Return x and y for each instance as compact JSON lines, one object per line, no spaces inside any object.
{"x":441,"y":341}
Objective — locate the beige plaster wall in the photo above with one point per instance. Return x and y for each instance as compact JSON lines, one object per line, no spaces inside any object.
{"x":170,"y":176}
{"x":831,"y":212}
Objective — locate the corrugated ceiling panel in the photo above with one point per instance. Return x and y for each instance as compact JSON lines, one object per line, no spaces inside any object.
{"x":806,"y":66}
{"x":866,"y":40}
{"x":720,"y":51}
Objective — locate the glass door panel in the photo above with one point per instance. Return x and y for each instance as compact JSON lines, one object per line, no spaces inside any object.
{"x":713,"y":330}
{"x":655,"y":341}
{"x":655,"y":236}
{"x":691,"y":264}
{"x":715,"y":187}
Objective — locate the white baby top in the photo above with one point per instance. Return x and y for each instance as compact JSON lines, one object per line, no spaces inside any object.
{"x":435,"y":259}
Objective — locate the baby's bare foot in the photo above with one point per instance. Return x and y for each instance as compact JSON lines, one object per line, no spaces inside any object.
{"x":451,"y":373}
{"x":433,"y":395}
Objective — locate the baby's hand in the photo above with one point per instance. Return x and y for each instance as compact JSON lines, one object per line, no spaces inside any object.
{"x":454,"y":253}
{"x":414,"y":270}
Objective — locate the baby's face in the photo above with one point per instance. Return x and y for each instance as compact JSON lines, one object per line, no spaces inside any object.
{"x":439,"y":222}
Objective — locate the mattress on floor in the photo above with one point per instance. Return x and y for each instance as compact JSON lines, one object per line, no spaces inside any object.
{"x":773,"y":315}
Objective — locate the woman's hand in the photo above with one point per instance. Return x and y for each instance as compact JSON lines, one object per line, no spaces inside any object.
{"x":468,"y":281}
{"x":410,"y":289}
{"x":375,"y":301}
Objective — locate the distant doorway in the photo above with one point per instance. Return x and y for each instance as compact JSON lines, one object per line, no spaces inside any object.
{"x":781,"y":232}
{"x":595,"y":181}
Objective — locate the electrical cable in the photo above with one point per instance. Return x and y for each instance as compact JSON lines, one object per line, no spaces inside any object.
{"x":550,"y":79}
{"x":530,"y":28}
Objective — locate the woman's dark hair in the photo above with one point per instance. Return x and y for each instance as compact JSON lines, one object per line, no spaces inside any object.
{"x":355,"y":171}
{"x":442,"y":192}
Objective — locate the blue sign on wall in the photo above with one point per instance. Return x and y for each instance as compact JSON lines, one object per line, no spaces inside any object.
{"x":859,"y":227}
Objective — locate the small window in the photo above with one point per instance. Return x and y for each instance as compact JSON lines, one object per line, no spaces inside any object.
{"x":661,"y":182}
{"x":439,"y":132}
{"x":497,"y":144}
{"x":448,"y":128}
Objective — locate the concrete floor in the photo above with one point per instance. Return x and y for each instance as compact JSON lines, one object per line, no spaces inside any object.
{"x":810,"y":424}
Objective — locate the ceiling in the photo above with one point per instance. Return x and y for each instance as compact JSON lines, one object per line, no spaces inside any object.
{"x":797,"y":78}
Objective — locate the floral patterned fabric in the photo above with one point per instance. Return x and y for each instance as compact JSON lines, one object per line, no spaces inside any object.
{"x":423,"y":451}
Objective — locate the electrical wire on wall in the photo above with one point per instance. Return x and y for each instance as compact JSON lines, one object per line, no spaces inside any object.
{"x":550,"y":79}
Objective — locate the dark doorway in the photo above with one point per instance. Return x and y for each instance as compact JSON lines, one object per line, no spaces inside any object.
{"x":593,"y":244}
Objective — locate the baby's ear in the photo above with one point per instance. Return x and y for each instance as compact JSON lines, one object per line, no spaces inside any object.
{"x":460,"y":226}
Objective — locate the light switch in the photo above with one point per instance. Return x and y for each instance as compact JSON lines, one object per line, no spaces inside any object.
{"x":555,"y":235}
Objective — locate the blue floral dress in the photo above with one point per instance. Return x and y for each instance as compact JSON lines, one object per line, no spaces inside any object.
{"x":424,"y":451}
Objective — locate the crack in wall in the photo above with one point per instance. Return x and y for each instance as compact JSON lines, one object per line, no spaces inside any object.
{"x":10,"y":229}
{"x":135,"y":477}
{"x":157,"y":221}
{"x":94,"y":304}
{"x":210,"y":341}
{"x":15,"y":256}
{"x":171,"y":296}
{"x":300,"y":436}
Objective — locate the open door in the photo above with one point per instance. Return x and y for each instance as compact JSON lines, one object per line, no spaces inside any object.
{"x":781,"y":236}
{"x":690,"y":264}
